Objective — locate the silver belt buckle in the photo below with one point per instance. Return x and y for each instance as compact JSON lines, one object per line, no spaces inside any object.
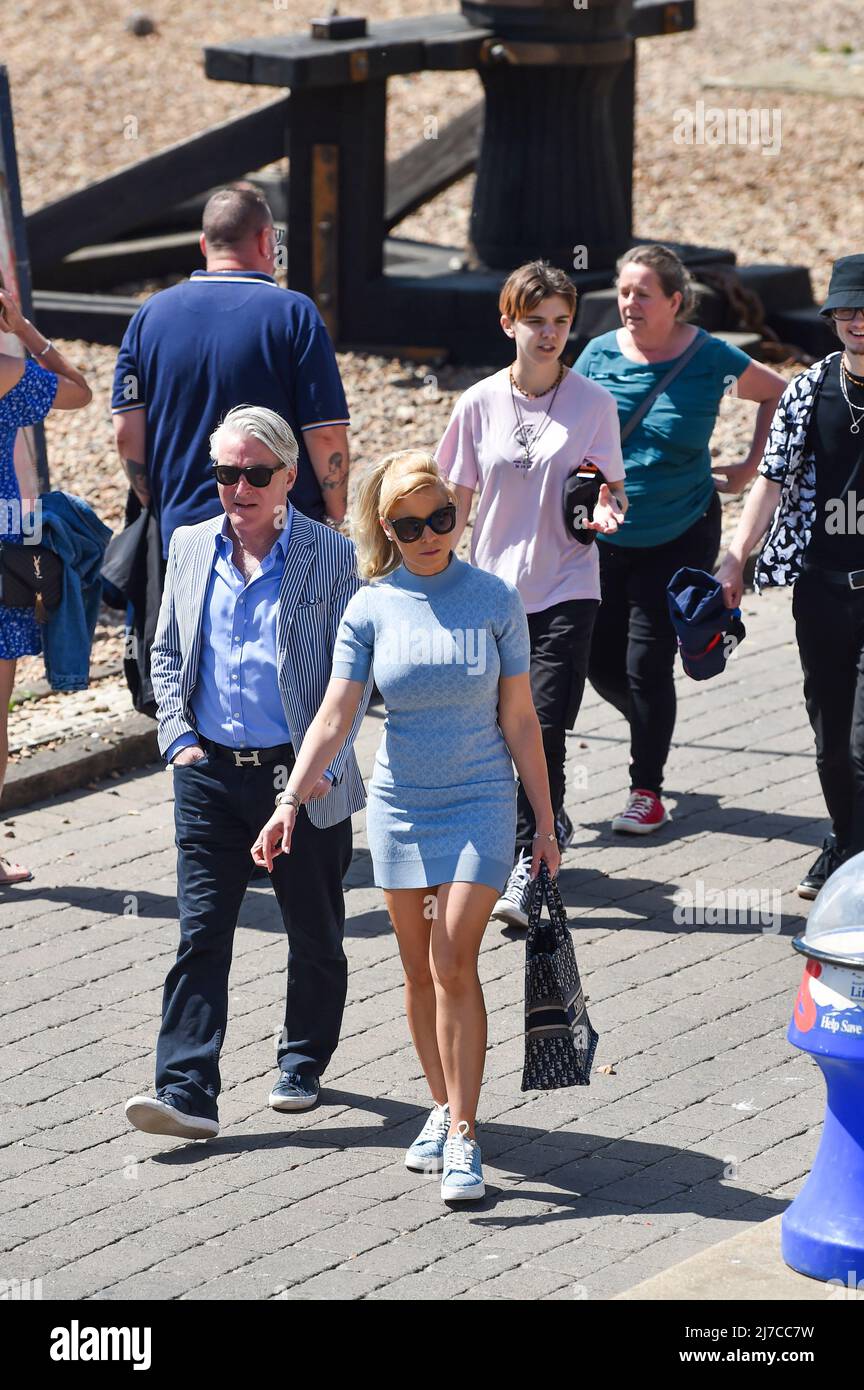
{"x":856,"y":579}
{"x":251,"y":757}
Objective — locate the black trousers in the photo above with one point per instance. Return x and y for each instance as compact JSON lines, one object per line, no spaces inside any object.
{"x":560,"y":643}
{"x":829,"y":626}
{"x":633,"y":649}
{"x":219,"y":810}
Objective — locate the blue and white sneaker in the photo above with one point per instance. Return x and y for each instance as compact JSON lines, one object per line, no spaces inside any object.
{"x":512,"y":907}
{"x":463,"y":1175}
{"x":426,"y":1154}
{"x":294,"y":1092}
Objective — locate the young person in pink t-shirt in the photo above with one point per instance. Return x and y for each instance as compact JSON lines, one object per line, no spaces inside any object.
{"x":515,"y":437}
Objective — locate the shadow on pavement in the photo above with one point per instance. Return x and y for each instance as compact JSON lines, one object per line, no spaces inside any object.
{"x":577,"y":1177}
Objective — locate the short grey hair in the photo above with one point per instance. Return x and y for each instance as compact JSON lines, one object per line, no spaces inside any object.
{"x":257,"y":422}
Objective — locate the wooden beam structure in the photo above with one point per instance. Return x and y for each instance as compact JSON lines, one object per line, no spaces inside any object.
{"x":442,"y":42}
{"x":113,"y":205}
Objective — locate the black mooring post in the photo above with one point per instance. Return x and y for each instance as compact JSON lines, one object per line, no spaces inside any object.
{"x":554,"y":176}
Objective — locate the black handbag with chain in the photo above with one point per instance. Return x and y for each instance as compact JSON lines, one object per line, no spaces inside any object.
{"x":31,"y":576}
{"x":559,"y":1040}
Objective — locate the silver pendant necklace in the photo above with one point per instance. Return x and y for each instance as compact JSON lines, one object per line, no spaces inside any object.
{"x":856,"y":411}
{"x":524,"y":429}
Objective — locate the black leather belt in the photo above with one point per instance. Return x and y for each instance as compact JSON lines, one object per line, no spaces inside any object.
{"x":249,"y":757}
{"x":845,"y":579}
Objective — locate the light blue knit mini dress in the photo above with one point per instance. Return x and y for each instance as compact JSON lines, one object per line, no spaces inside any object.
{"x":442,"y":799}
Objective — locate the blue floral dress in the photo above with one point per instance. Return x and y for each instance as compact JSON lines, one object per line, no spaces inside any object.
{"x":28,"y":402}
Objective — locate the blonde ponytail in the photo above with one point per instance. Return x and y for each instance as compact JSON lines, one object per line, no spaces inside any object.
{"x":385,"y":482}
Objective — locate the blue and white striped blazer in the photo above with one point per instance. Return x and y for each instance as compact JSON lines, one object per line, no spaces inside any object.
{"x":319,"y":578}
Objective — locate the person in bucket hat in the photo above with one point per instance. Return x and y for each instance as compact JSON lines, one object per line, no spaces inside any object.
{"x":809,"y":498}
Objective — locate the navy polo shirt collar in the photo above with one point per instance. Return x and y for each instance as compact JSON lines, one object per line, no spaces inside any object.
{"x":232,"y":276}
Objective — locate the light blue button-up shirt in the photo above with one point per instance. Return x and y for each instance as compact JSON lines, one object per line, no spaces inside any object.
{"x":236,"y":699}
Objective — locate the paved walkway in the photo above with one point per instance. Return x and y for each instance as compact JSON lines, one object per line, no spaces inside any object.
{"x":699,"y":1121}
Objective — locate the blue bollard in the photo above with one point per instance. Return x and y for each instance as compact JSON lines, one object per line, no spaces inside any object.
{"x":823,"y":1229}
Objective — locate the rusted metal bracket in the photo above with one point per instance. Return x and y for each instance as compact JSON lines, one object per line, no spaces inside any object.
{"x":358,"y":65}
{"x":674,"y":19}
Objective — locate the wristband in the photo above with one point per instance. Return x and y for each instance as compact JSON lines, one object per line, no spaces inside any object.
{"x":288,"y":798}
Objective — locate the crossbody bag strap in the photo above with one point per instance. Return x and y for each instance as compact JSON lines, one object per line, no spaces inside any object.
{"x":647,"y":401}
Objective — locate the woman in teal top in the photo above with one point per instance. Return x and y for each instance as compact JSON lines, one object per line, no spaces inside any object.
{"x":448,"y":644}
{"x":674,"y":514}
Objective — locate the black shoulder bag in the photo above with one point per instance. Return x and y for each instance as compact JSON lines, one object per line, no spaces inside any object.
{"x":31,"y":576}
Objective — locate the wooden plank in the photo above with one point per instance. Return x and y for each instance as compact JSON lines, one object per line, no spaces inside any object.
{"x":120,"y":262}
{"x":432,"y":165}
{"x":186,"y":216}
{"x":113,"y":205}
{"x":94,"y":318}
{"x":299,"y":61}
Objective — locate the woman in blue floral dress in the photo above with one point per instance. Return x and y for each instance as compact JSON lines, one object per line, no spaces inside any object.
{"x":28,"y":390}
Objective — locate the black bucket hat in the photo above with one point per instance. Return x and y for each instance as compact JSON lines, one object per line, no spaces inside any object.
{"x":846,"y":290}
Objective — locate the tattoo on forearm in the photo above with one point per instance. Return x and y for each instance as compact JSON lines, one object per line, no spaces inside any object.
{"x":137,"y":475}
{"x":337,"y":472}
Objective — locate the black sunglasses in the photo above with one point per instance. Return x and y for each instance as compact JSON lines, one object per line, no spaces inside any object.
{"x":411,"y":528}
{"x":258,"y":475}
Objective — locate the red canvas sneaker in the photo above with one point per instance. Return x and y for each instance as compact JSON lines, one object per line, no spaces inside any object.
{"x":644,"y":814}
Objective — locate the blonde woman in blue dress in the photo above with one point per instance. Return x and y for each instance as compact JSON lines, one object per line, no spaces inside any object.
{"x":449,"y":648}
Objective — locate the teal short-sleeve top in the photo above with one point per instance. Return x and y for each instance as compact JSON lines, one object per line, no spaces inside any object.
{"x":667,"y":459}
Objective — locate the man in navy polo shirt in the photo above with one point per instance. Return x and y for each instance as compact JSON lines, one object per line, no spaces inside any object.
{"x":228,"y":336}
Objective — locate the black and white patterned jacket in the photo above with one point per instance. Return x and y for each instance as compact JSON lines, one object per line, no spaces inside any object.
{"x":790,"y":461}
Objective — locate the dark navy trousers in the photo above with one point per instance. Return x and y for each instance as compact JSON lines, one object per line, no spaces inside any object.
{"x":219,"y":810}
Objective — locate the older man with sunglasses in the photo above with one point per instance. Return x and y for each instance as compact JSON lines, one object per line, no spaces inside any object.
{"x":241,"y":661}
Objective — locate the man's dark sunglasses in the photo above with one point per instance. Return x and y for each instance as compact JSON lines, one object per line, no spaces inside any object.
{"x":411,"y":528}
{"x":258,"y":475}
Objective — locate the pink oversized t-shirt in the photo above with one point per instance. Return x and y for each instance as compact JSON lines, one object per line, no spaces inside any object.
{"x":519,"y":531}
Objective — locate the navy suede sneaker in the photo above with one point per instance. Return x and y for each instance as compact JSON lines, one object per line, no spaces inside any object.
{"x":294,"y":1092}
